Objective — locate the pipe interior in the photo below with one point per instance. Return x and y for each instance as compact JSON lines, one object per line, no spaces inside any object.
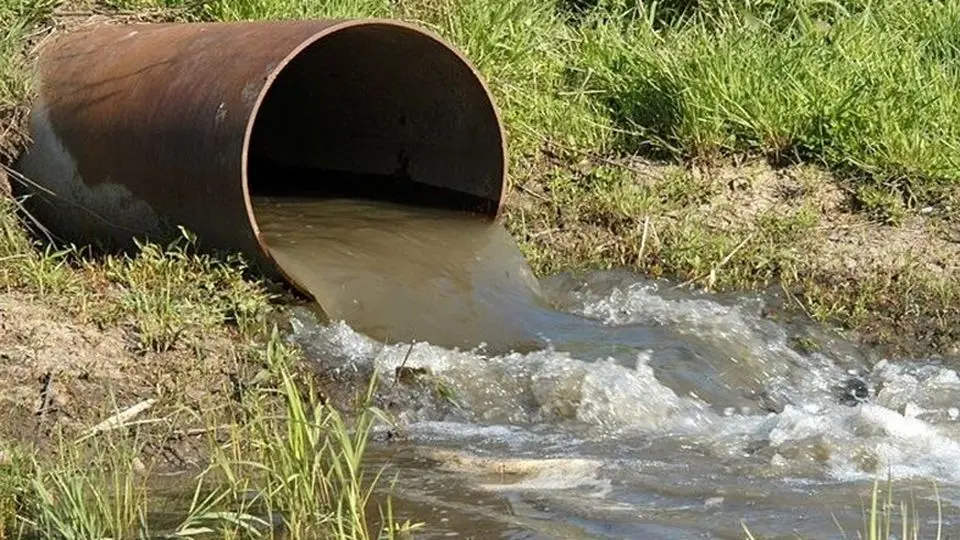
{"x":378,"y":111}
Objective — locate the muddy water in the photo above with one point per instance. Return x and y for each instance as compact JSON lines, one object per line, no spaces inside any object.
{"x":634,"y":411}
{"x":398,"y":273}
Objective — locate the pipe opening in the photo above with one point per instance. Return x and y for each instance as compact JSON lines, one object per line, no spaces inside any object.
{"x":381,"y":111}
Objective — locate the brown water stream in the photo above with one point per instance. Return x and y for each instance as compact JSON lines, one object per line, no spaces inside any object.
{"x":399,"y":273}
{"x":606,"y":405}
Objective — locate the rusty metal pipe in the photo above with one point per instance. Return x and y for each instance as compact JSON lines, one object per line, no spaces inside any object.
{"x":138,"y":129}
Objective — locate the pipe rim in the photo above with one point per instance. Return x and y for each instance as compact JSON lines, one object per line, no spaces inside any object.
{"x":293,"y":54}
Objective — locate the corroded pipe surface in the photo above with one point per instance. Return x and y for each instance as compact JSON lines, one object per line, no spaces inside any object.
{"x":140,"y":128}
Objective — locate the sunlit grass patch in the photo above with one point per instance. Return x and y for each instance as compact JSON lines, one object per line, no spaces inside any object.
{"x":102,"y":489}
{"x":29,"y":264}
{"x":166,"y":294}
{"x":304,"y":463}
{"x":868,"y":89}
{"x":169,"y":293}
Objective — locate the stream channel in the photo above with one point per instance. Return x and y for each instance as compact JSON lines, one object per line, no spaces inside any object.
{"x":606,"y":404}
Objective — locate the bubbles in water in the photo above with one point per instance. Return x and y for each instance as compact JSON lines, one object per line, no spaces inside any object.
{"x":629,"y":371}
{"x":814,"y":431}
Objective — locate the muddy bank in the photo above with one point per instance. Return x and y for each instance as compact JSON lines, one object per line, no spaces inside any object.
{"x":62,"y":376}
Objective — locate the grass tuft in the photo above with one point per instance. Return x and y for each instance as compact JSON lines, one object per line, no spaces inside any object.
{"x":74,"y":501}
{"x":171,"y":293}
{"x":304,"y":464}
{"x":880,"y":520}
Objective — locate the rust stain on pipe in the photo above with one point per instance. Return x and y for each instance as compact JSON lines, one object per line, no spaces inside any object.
{"x":140,"y":128}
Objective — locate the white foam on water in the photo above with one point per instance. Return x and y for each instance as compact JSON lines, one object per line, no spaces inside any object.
{"x":909,"y":427}
{"x":861,"y":443}
{"x":888,"y":434}
{"x":750,"y":351}
{"x":533,"y":387}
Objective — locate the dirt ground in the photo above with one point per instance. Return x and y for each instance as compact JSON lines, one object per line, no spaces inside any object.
{"x":61,"y":377}
{"x":845,"y":243}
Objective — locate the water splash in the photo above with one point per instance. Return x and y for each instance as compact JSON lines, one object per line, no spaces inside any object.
{"x":688,"y":404}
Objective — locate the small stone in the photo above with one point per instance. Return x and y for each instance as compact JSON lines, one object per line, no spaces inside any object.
{"x":713,"y":501}
{"x":953,"y":413}
{"x":853,"y":392}
{"x":911,"y":410}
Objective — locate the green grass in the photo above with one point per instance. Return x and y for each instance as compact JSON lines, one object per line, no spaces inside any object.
{"x":306,"y":463}
{"x":167,"y":293}
{"x":869,"y":89}
{"x":166,"y":296}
